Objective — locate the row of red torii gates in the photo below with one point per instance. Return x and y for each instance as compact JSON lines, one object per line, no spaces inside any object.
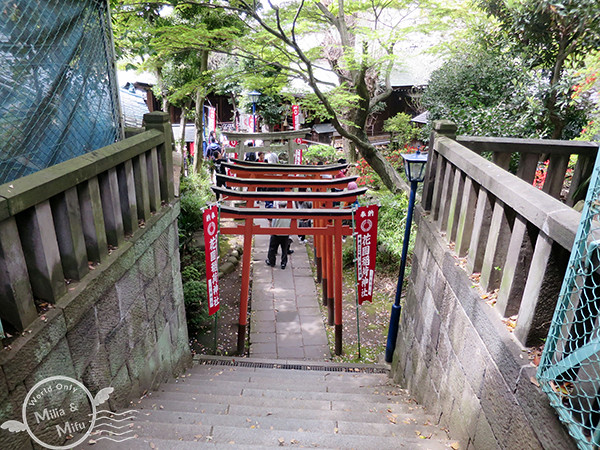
{"x":327,"y":222}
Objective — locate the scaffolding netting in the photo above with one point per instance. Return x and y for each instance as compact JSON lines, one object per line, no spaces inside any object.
{"x":58,"y":93}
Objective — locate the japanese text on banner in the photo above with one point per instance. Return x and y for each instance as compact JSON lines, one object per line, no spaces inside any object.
{"x":211,"y":243}
{"x":366,"y":250}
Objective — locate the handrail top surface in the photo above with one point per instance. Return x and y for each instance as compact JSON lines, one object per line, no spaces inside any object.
{"x":550,"y":215}
{"x":512,"y":145}
{"x":291,"y":196}
{"x":37,"y":187}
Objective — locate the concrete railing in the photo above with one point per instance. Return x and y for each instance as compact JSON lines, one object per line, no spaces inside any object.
{"x":514,"y":237}
{"x":57,"y":223}
{"x":531,"y":151}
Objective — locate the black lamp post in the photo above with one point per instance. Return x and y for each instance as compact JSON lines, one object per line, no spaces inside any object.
{"x":253,"y":95}
{"x":414,"y":167}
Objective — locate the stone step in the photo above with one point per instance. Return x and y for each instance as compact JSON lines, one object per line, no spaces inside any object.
{"x":344,"y":382}
{"x":368,"y":415}
{"x":257,"y":407}
{"x":388,"y":425}
{"x":233,"y":436}
{"x":367,"y":393}
{"x":272,"y":400}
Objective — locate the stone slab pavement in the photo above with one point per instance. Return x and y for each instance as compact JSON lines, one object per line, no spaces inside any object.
{"x":285,"y":322}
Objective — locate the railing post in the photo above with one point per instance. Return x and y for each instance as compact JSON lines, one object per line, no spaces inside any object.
{"x":443,"y":128}
{"x":40,"y":247}
{"x":541,"y":291}
{"x":160,"y":121}
{"x":16,"y":300}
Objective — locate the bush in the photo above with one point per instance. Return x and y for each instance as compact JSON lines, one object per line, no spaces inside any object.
{"x":402,"y":130}
{"x":390,"y":235}
{"x":196,"y":306}
{"x":190,"y":273}
{"x":320,"y":153}
{"x":195,"y":259}
{"x":195,"y":194}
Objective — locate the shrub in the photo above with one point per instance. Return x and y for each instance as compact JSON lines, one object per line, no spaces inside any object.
{"x":402,"y":130}
{"x":190,"y":273}
{"x":320,"y":153}
{"x":195,"y":194}
{"x":196,"y":306}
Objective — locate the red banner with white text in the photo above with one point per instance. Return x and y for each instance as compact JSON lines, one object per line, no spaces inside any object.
{"x":366,"y":250}
{"x":211,"y":245}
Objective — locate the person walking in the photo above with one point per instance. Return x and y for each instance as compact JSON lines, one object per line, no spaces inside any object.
{"x":277,"y":241}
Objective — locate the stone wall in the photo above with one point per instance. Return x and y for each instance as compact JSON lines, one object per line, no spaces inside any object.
{"x":124,"y":326}
{"x":457,"y":357}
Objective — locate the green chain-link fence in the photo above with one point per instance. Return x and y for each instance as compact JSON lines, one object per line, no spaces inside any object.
{"x":569,"y":370}
{"x":58,"y":93}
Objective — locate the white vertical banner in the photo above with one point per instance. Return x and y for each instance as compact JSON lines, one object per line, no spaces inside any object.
{"x":212,"y":119}
{"x":296,"y":116}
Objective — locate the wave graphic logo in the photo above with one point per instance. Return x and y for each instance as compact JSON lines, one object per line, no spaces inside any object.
{"x":111,"y":426}
{"x":61,"y":413}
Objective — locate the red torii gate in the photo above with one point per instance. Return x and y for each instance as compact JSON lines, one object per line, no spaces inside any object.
{"x":328,"y":227}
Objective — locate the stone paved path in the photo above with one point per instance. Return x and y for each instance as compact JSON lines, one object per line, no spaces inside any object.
{"x":286,"y":322}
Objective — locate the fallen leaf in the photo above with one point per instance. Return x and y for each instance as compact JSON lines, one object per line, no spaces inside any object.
{"x":455,"y":445}
{"x":534,"y":381}
{"x":91,"y":442}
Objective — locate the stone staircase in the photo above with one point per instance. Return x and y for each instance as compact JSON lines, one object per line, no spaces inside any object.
{"x":247,"y":403}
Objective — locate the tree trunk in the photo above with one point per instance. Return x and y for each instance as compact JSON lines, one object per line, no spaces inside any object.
{"x":198,"y":120}
{"x":163,"y":91}
{"x":180,"y":145}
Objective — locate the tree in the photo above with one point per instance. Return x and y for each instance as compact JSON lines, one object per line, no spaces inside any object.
{"x":353,"y":40}
{"x":486,"y":94}
{"x":551,"y":36}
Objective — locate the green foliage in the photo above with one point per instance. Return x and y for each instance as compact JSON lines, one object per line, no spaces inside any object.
{"x":390,"y":233}
{"x":348,"y":255}
{"x":194,"y":257}
{"x":196,"y":306}
{"x":195,"y":194}
{"x":320,"y":153}
{"x":402,"y":129}
{"x":486,"y":94}
{"x":190,"y":273}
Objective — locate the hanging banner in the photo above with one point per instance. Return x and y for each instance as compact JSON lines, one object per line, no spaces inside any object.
{"x":298,"y":156}
{"x":211,"y":245}
{"x":296,"y":116}
{"x":212,"y":118}
{"x":366,"y":249}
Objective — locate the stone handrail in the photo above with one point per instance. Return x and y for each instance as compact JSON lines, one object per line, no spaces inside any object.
{"x":515,"y":236}
{"x":57,"y":222}
{"x":531,"y":150}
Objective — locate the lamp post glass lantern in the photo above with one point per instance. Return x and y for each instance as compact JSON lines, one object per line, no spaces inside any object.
{"x":414,"y":168}
{"x":253,"y":96}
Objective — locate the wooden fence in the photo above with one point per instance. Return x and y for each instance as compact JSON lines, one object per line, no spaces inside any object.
{"x":511,"y":237}
{"x":56,"y":223}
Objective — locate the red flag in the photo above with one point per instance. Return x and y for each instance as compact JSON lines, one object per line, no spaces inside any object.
{"x":366,"y":249}
{"x":211,"y":250}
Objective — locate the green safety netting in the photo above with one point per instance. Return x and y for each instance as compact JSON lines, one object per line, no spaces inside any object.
{"x":58,"y":93}
{"x":569,"y":371}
